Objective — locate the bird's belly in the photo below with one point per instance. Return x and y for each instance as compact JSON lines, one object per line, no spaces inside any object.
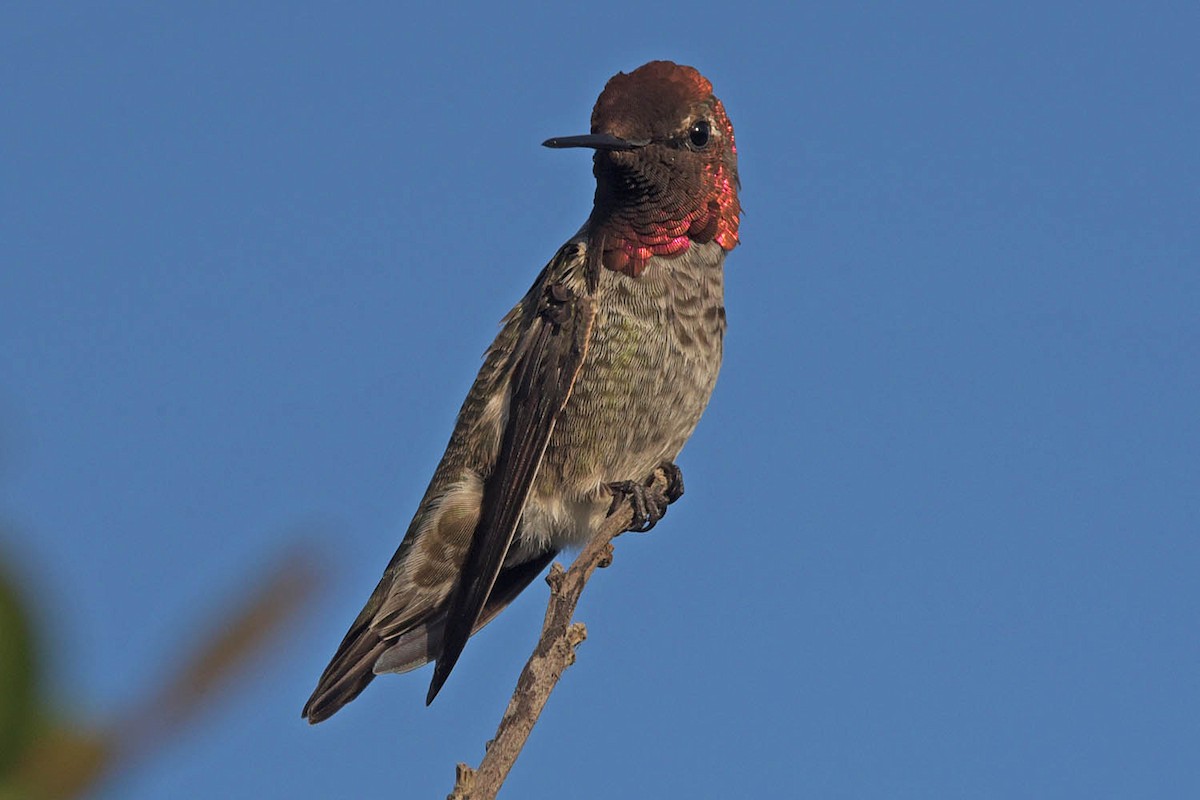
{"x":643,"y":386}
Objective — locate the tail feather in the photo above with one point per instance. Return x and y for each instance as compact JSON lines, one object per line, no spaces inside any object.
{"x":414,"y":648}
{"x":423,"y":643}
{"x":363,"y":653}
{"x":351,"y":669}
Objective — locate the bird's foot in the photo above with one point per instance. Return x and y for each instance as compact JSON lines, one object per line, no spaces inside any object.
{"x":649,"y":498}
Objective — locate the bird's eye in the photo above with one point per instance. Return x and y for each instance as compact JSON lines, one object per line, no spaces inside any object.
{"x":698,"y":134}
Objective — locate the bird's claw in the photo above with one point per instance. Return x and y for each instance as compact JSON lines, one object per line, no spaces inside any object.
{"x":649,"y":501}
{"x":674,"y":476}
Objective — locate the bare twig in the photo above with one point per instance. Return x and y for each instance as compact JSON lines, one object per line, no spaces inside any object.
{"x":555,"y":651}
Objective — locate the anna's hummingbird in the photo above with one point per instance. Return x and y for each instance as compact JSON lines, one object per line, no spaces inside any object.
{"x":596,"y":380}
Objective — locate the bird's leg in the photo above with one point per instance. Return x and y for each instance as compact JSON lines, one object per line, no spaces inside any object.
{"x":649,"y":501}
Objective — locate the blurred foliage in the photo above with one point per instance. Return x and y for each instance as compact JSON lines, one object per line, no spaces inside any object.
{"x":44,"y":756}
{"x":18,"y":686}
{"x":60,"y":762}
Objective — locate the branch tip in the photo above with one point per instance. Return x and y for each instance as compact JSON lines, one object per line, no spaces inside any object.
{"x":555,"y":651}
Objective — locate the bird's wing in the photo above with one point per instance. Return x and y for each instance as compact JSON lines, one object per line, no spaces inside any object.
{"x":421,"y":643}
{"x":546,"y":363}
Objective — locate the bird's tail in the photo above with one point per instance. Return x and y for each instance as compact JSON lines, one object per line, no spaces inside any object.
{"x":422,"y":643}
{"x":351,"y":669}
{"x":364,"y":653}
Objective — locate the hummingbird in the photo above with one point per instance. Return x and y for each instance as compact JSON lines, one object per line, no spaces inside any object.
{"x":596,"y":380}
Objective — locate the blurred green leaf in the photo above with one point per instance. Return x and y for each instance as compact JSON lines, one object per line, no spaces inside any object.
{"x":18,"y":673}
{"x":49,"y":758}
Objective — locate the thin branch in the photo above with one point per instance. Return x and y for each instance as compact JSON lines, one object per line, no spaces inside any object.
{"x":555,"y":651}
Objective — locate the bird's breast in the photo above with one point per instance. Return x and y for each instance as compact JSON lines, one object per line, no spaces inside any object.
{"x":650,"y":369}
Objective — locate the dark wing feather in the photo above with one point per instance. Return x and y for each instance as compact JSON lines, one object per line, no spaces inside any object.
{"x":422,"y":643}
{"x":550,"y":356}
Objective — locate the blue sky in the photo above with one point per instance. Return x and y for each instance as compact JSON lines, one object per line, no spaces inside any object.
{"x":940,"y":535}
